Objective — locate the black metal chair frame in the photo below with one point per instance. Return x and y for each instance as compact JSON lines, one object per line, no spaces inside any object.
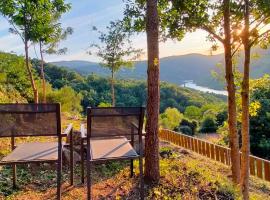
{"x":68,"y":132}
{"x":86,"y":135}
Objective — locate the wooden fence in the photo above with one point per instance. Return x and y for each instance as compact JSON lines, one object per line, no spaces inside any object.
{"x":258,"y":167}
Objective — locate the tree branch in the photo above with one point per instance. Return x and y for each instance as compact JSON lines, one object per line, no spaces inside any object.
{"x":257,"y":25}
{"x":216,"y":36}
{"x":237,"y":48}
{"x":259,"y":37}
{"x":14,"y":27}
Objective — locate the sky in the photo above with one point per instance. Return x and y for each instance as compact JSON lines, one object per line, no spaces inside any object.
{"x":87,"y":13}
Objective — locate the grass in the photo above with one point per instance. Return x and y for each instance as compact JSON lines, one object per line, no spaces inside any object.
{"x":184,"y":175}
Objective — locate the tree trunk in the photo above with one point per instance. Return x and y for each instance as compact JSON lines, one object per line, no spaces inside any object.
{"x":232,"y":119}
{"x":30,"y":72}
{"x":152,"y":173}
{"x":245,"y":107}
{"x":112,"y":89}
{"x":42,"y":74}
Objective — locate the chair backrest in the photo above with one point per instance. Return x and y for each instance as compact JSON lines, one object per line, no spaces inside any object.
{"x":114,"y":121}
{"x":21,"y":120}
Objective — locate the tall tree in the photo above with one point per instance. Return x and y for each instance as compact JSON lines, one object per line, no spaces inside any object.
{"x":152,"y":172}
{"x":180,"y":16}
{"x":20,"y":14}
{"x":48,"y":32}
{"x":232,"y":112}
{"x":153,"y":17}
{"x":116,"y":51}
{"x":255,"y":31}
{"x":245,"y":105}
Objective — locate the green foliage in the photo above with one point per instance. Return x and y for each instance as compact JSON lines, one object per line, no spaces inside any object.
{"x":13,"y":73}
{"x":221,"y":117}
{"x":104,"y":105}
{"x":193,"y":112}
{"x":172,"y":23}
{"x":69,"y":99}
{"x":260,"y":123}
{"x":208,"y":125}
{"x":96,"y":89}
{"x":8,"y":94}
{"x":186,"y":130}
{"x":192,"y":125}
{"x":171,"y":118}
{"x":115,"y":50}
{"x":48,"y":32}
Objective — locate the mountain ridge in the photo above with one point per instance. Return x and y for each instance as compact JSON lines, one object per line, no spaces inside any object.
{"x":175,"y":69}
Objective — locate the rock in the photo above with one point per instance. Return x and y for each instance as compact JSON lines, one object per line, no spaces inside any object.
{"x":66,"y":156}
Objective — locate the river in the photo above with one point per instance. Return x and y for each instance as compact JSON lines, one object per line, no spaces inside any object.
{"x":191,"y":84}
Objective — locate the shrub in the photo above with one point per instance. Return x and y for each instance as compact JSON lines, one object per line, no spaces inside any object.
{"x":191,"y":124}
{"x":208,"y":125}
{"x":171,"y":118}
{"x":193,"y":112}
{"x":186,"y":130}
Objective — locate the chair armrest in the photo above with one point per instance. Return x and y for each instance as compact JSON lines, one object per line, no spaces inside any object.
{"x":83,"y":132}
{"x":67,"y":131}
{"x":134,"y":125}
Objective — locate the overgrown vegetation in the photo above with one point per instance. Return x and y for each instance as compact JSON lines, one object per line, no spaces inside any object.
{"x":184,"y":175}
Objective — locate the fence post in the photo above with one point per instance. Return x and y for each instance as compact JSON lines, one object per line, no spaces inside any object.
{"x":217,"y":153}
{"x":267,"y":170}
{"x":259,"y":168}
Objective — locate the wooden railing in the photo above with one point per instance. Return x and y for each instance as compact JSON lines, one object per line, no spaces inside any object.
{"x":258,"y":167}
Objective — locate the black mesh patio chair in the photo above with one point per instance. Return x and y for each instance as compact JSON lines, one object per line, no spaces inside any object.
{"x":110,"y":136}
{"x":34,"y":120}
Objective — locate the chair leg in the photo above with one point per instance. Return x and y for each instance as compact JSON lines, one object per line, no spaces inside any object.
{"x":131,"y":168}
{"x":14,"y":172}
{"x":88,"y":168}
{"x":71,"y":160}
{"x":82,"y":162}
{"x":59,"y":172}
{"x":141,"y":178}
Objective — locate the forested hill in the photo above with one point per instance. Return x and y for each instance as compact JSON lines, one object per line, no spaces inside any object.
{"x":96,"y":89}
{"x":176,"y":69}
{"x":67,"y":86}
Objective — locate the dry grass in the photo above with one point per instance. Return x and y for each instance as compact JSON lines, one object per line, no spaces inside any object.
{"x":184,"y":175}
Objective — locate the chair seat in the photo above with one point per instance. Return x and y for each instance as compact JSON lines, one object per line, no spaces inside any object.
{"x":111,"y":148}
{"x":33,"y":151}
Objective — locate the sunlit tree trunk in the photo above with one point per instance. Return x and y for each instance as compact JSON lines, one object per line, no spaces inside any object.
{"x":35,"y":91}
{"x":245,"y":107}
{"x":112,"y":89}
{"x":232,"y":120}
{"x":152,"y":173}
{"x":42,"y":74}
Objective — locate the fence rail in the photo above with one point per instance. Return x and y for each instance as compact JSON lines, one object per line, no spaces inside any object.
{"x":258,"y":167}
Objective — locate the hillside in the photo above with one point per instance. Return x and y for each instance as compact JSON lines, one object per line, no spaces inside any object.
{"x":184,"y":175}
{"x":176,"y":69}
{"x":96,"y":89}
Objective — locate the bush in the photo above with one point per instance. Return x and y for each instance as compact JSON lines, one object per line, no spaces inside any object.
{"x":191,"y":124}
{"x":69,"y":99}
{"x":208,"y":125}
{"x":104,"y":105}
{"x":171,"y":118}
{"x":222,"y":117}
{"x":186,"y":130}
